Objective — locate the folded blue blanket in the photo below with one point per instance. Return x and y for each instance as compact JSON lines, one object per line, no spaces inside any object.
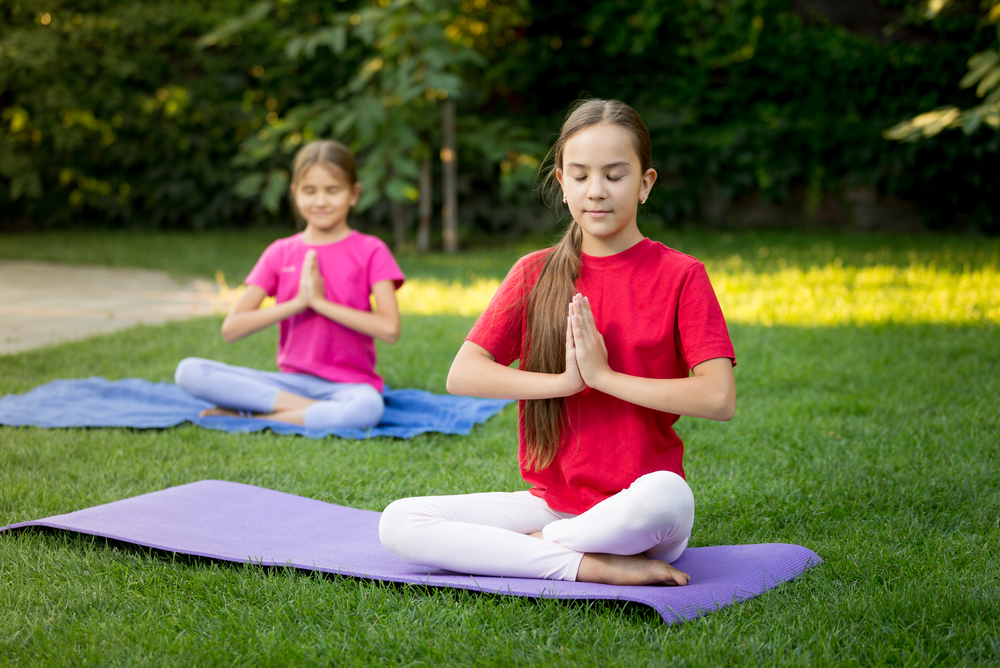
{"x":138,"y":403}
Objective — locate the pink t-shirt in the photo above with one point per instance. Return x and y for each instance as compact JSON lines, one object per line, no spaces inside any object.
{"x":308,"y":342}
{"x":659,"y":317}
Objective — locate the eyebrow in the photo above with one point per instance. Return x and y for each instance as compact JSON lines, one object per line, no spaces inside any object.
{"x":621,"y":163}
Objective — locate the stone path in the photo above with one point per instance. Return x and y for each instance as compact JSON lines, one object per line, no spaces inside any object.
{"x":42,"y":304}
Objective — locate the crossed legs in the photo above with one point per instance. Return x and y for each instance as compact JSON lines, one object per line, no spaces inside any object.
{"x":629,"y":538}
{"x":288,"y":397}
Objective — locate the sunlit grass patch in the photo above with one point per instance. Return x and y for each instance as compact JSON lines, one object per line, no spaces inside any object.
{"x":835,"y":294}
{"x":826,"y":295}
{"x":430,"y":296}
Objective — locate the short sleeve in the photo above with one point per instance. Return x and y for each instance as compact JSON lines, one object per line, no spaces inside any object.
{"x":265,"y":273}
{"x":701,"y":328}
{"x":500,"y":329}
{"x":383,"y":266}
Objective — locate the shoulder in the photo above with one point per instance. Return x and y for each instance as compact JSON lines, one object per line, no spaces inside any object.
{"x":278,"y":251}
{"x":366,"y":242}
{"x":674,"y":259}
{"x":284,"y":245}
{"x":529,"y":266}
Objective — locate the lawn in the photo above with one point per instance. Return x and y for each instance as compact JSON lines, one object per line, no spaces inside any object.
{"x":866,"y":430}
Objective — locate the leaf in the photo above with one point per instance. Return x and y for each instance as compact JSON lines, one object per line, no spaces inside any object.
{"x":971,"y":120}
{"x":989,"y":82}
{"x":404,"y":166}
{"x":400,"y":190}
{"x":368,"y":197}
{"x":979,"y":65}
{"x":277,"y":186}
{"x":249,"y":185}
{"x":235,"y":25}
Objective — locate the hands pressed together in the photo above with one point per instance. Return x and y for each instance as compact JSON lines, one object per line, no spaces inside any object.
{"x":586,"y":353}
{"x":312,"y":289}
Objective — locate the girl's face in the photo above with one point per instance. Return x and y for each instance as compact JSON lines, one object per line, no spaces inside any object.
{"x":324,"y":197}
{"x":603,"y":182}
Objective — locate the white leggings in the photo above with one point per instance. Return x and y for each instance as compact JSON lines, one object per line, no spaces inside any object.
{"x":338,"y":405}
{"x":486,"y":534}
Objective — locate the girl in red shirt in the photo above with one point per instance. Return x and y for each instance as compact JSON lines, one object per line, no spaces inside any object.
{"x":617,"y":336}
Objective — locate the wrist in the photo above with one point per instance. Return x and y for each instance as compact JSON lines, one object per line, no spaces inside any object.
{"x":569,"y":384}
{"x":601,"y":380}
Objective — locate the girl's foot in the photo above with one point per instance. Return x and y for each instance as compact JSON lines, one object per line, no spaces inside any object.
{"x":216,"y":412}
{"x":628,"y":570}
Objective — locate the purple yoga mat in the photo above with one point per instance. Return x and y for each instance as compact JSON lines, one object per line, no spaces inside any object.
{"x":243,"y":523}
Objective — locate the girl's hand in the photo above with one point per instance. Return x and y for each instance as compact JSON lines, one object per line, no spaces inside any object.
{"x":574,"y":381}
{"x":591,"y":353}
{"x":301,"y":299}
{"x":311,"y":287}
{"x":317,"y":288}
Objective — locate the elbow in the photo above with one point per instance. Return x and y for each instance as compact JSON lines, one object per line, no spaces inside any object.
{"x":456,"y":383}
{"x":391,"y":334}
{"x":452,"y":383}
{"x":726,"y":407}
{"x":227,"y":331}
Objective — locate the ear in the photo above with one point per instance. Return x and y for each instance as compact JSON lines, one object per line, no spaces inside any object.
{"x":356,"y":193}
{"x":648,"y":179}
{"x":559,"y":176}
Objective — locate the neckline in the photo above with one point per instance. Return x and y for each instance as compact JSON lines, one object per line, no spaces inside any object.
{"x":627,"y":255}
{"x":350,"y":233}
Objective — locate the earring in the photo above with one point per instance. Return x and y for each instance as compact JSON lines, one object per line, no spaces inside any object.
{"x":642,"y":201}
{"x":564,"y":198}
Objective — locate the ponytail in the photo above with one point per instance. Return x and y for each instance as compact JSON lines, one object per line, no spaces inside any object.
{"x":546,"y":336}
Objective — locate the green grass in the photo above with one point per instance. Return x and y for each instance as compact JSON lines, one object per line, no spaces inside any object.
{"x":876,"y":445}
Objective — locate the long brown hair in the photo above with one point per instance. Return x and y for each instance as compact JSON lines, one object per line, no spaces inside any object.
{"x":328,"y":154}
{"x":549,"y":300}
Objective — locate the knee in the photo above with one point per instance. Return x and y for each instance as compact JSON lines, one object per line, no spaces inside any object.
{"x":189,"y":374}
{"x":397,"y":526}
{"x":662,"y":497}
{"x":361,"y":409}
{"x":368,"y":406}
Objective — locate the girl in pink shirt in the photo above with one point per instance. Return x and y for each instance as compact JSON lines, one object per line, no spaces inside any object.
{"x":322,"y":279}
{"x":616,"y":337}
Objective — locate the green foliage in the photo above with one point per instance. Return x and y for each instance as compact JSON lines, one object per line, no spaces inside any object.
{"x":411,"y":55}
{"x":178,"y":114}
{"x":984,"y":73}
{"x":110,"y":113}
{"x":757,"y":97}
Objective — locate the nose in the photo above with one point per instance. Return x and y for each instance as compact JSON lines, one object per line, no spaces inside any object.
{"x":598,"y":189}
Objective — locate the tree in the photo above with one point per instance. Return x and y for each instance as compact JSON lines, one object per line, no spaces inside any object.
{"x":416,"y":60}
{"x":984,"y":73}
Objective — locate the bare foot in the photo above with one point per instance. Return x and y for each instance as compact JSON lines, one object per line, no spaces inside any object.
{"x":628,"y":570}
{"x":214,"y":412}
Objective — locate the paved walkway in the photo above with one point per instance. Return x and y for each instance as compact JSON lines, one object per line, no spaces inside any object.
{"x":42,"y":304}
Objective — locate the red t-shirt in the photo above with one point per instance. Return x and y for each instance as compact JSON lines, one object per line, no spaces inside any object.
{"x":659,"y":317}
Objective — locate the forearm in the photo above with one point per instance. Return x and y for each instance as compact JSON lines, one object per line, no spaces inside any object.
{"x":377,"y":325}
{"x":239,"y":324}
{"x":477,"y":375}
{"x":705,"y":396}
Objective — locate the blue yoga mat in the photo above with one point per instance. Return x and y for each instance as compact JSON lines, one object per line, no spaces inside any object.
{"x":235,"y":522}
{"x":138,"y":403}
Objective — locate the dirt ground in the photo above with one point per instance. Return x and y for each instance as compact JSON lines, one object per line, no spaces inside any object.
{"x":42,"y":304}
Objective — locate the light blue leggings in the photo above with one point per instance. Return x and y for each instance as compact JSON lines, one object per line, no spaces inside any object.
{"x":338,"y":405}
